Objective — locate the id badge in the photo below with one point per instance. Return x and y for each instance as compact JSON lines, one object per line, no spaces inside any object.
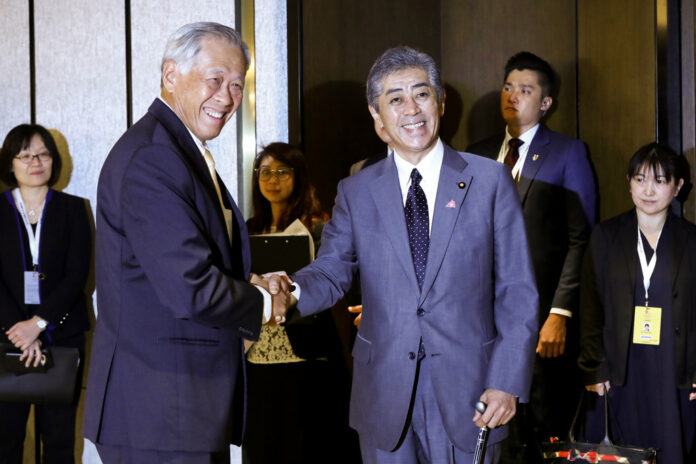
{"x":31,"y":288}
{"x":646,"y":325}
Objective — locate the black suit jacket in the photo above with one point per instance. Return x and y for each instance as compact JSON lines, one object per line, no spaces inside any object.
{"x":606,"y":303}
{"x":64,"y":258}
{"x":558,"y":194}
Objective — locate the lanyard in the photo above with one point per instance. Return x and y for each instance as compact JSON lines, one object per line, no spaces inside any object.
{"x":15,"y":198}
{"x":646,"y":267}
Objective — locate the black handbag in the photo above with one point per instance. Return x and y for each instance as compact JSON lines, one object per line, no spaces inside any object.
{"x":52,"y":382}
{"x":572,"y":451}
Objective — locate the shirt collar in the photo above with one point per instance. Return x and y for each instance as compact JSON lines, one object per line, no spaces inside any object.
{"x":526,"y":137}
{"x":428,"y":167}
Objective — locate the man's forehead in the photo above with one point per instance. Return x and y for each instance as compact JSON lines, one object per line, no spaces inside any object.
{"x":527,"y":77}
{"x":404,"y":79}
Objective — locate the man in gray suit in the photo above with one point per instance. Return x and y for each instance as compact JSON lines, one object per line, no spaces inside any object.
{"x":449,"y":300}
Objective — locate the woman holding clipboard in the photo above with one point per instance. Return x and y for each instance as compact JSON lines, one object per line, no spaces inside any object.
{"x":297,"y":406}
{"x":45,"y":249}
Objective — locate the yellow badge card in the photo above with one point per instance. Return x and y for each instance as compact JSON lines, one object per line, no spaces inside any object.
{"x":646,"y":325}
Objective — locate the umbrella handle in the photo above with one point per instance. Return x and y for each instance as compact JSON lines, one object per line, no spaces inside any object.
{"x":482,"y":439}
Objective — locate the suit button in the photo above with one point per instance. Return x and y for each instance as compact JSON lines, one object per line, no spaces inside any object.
{"x":420,"y":312}
{"x":412,"y":355}
{"x":676,"y":330}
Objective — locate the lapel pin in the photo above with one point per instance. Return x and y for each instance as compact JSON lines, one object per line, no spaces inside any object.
{"x":451,"y":204}
{"x":461,"y":185}
{"x":535,"y":157}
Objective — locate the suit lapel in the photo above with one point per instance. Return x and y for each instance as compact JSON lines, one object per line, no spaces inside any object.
{"x":537,"y":154}
{"x":679,"y":237}
{"x":449,"y":202}
{"x":627,"y":238}
{"x":386,"y":193}
{"x":189,"y":152}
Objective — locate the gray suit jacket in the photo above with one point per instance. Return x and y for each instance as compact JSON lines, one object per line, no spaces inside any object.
{"x":476,"y":314}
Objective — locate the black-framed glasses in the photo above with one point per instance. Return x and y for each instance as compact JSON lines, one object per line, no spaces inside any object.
{"x":265,"y":174}
{"x":27,"y":158}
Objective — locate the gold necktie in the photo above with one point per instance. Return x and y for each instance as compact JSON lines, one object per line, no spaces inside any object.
{"x":211,"y":167}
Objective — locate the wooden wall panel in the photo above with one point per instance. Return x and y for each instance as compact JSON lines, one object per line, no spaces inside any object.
{"x":340,"y":41}
{"x":15,"y":91}
{"x":616,"y":50}
{"x":151,"y":25}
{"x":478,"y":37}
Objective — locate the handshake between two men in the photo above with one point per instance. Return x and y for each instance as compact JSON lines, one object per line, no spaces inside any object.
{"x":280,"y":287}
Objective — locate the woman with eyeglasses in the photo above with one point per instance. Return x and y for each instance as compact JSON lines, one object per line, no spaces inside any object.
{"x":298,"y":385}
{"x":45,"y":249}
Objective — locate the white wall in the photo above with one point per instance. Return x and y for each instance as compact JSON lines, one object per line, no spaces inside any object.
{"x":80,"y":87}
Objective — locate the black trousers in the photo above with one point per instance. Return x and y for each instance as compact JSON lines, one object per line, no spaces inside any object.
{"x":56,"y":423}
{"x":57,"y":427}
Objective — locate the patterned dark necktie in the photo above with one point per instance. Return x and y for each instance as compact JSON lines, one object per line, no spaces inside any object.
{"x":417,"y":223}
{"x":513,"y":153}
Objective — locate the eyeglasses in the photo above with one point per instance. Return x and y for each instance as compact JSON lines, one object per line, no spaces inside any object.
{"x":265,"y":174}
{"x":27,"y":158}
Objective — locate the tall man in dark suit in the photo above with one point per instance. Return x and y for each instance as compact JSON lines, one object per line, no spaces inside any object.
{"x":449,"y":302}
{"x":166,"y":379}
{"x":557,"y":189}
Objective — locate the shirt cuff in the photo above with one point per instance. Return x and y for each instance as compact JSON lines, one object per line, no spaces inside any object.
{"x":562,"y":312}
{"x":267,"y":304}
{"x":296,"y":293}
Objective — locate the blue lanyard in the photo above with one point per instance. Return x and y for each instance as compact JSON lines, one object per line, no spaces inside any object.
{"x":10,"y":199}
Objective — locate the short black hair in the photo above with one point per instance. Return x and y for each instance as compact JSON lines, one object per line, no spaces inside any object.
{"x":657,"y":156}
{"x":18,"y":139}
{"x":548,"y":79}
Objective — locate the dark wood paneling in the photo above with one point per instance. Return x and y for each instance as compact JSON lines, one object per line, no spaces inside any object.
{"x":617,"y":81}
{"x":479,"y":36}
{"x":341,"y":39}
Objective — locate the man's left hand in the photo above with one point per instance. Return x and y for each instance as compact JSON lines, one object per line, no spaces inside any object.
{"x":501,"y":409}
{"x":24,"y":333}
{"x":552,"y":337}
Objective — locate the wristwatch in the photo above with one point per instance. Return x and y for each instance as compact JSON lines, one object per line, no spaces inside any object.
{"x":41,"y":324}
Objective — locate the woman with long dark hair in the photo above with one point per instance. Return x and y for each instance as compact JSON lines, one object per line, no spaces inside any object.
{"x":298,"y":385}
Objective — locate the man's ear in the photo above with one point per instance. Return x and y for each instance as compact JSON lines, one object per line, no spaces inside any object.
{"x":375,"y":115}
{"x":169,"y":75}
{"x":546,"y":103}
{"x":442,"y":103}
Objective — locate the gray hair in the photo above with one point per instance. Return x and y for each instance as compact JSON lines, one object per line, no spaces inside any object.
{"x":397,"y":59}
{"x":184,"y":44}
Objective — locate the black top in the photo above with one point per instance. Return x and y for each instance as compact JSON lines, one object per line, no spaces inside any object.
{"x":64,"y":258}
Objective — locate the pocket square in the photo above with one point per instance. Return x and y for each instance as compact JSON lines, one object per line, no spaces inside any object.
{"x":451,"y":204}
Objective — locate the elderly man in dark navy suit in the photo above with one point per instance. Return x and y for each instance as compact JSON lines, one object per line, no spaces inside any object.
{"x":166,"y":380}
{"x":557,"y":189}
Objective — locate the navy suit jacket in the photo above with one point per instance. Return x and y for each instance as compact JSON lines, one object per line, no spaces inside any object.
{"x":476,"y":314}
{"x":64,"y":257}
{"x":559,"y":200}
{"x":173,"y":300}
{"x":607,"y":299}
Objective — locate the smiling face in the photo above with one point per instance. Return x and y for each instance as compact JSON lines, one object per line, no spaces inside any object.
{"x":207,"y":96}
{"x":409,"y":112}
{"x":274,"y":189}
{"x":522,"y":102}
{"x":37,"y":173}
{"x":652,"y":194}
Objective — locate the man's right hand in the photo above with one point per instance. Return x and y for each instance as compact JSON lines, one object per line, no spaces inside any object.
{"x":357,"y":309}
{"x":279,"y":288}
